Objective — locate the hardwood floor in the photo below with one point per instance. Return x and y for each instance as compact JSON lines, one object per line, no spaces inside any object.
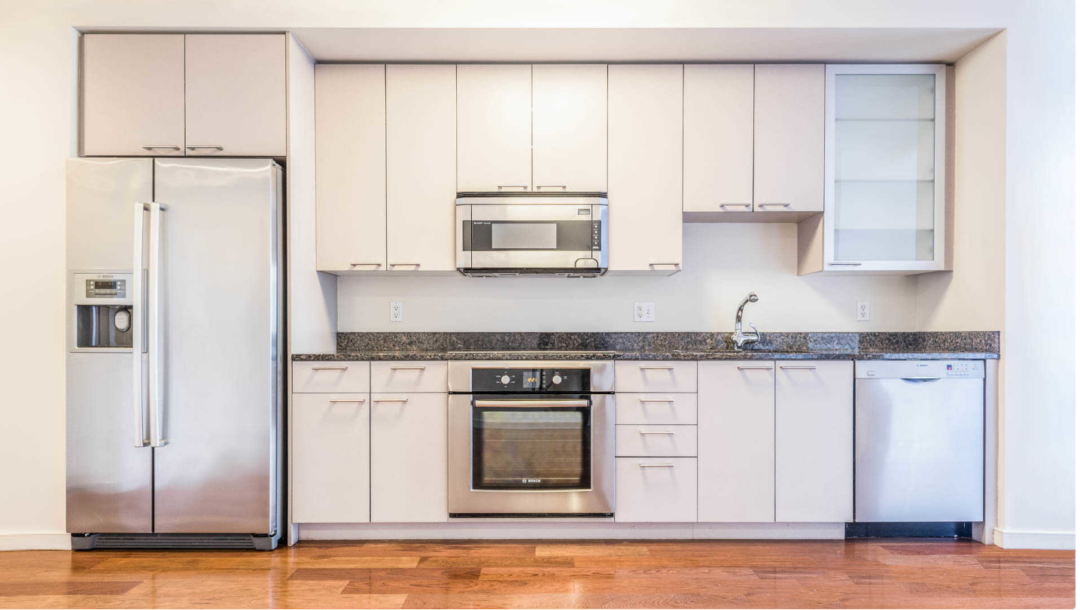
{"x":546,"y":574}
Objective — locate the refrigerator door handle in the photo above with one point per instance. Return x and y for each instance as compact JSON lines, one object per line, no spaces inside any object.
{"x":138,"y":306}
{"x":154,"y":316}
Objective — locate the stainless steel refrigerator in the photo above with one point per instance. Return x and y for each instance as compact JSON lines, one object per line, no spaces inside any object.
{"x":175,"y":378}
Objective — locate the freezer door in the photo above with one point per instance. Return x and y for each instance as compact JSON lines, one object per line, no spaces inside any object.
{"x":108,"y":477}
{"x":918,"y":450}
{"x":215,"y":431}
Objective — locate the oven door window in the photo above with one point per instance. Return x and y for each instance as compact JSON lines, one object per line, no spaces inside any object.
{"x":531,"y":448}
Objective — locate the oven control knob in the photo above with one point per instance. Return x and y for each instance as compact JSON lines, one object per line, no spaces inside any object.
{"x":505,"y":380}
{"x":557,"y":379}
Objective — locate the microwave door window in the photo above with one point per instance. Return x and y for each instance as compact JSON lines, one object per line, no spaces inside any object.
{"x":531,"y":449}
{"x":524,"y":236}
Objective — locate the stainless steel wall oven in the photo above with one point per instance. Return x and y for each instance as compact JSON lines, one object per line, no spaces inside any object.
{"x":532,"y":439}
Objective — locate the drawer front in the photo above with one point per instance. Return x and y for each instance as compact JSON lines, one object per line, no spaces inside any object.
{"x":656,"y":441}
{"x":670,"y":409}
{"x":426,"y":376}
{"x":655,"y":490}
{"x":313,"y":377}
{"x":638,"y":376}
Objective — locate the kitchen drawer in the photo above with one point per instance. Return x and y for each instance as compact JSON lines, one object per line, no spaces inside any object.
{"x":311,"y":377}
{"x":656,"y":490}
{"x":637,"y":376}
{"x":667,"y":409}
{"x":656,"y":441}
{"x":425,"y":376}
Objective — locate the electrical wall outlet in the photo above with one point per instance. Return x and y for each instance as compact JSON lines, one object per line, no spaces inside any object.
{"x":644,"y":312}
{"x":863,"y":312}
{"x":397,"y":312}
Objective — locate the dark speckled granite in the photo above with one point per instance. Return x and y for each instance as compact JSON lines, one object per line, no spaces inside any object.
{"x":660,"y":346}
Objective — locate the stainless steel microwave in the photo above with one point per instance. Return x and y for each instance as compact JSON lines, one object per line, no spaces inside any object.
{"x":564,"y":234}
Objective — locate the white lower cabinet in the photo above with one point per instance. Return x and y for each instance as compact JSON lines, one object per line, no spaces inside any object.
{"x":655,"y":490}
{"x":330,"y":458}
{"x":408,"y":457}
{"x":814,"y":455}
{"x":656,"y":441}
{"x":736,"y":441}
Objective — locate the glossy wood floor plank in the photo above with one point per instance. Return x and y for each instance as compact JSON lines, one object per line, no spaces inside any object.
{"x":549,"y":574}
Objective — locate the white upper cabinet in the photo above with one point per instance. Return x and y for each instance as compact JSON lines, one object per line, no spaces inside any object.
{"x":645,"y":168}
{"x":133,"y":94}
{"x":884,"y":169}
{"x":494,"y":125}
{"x":718,"y":161}
{"x":569,"y":128}
{"x":814,"y":445}
{"x":421,"y":145}
{"x":235,"y":94}
{"x":789,"y":137}
{"x":350,"y":175}
{"x":736,"y":441}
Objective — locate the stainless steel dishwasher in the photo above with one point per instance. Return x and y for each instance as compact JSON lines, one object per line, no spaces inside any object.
{"x":919,"y":441}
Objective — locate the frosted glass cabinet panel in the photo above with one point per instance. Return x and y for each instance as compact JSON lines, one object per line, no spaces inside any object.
{"x":884,"y":168}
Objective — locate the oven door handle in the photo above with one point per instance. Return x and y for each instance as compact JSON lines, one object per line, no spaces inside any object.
{"x":531,"y":403}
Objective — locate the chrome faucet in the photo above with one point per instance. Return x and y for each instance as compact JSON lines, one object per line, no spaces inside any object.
{"x":739,"y":337}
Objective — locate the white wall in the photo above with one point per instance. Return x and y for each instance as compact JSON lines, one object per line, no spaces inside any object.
{"x":721,"y":264}
{"x":36,"y":120}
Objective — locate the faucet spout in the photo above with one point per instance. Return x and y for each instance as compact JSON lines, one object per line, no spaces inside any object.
{"x":739,"y":337}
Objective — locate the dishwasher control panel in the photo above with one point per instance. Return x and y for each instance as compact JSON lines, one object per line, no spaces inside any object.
{"x":920,"y":370}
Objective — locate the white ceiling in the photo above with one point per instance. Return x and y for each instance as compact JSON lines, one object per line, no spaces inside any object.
{"x":625,"y":44}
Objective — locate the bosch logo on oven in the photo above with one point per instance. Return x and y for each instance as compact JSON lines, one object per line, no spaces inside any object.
{"x":531,"y":480}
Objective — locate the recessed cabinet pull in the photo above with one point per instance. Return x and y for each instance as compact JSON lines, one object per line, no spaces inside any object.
{"x":365,"y":264}
{"x":754,"y":368}
{"x":207,"y":146}
{"x":745,"y":206}
{"x":334,"y":402}
{"x":408,"y":368}
{"x":551,"y":186}
{"x":656,"y":367}
{"x":846,"y":264}
{"x":417,"y":265}
{"x":400,"y":399}
{"x":803,"y":368}
{"x":512,"y":186}
{"x":165,"y":146}
{"x":766,"y":205}
{"x":329,"y":368}
{"x":668,"y":400}
{"x":676,"y":265}
{"x":644,"y":465}
{"x":663,"y":432}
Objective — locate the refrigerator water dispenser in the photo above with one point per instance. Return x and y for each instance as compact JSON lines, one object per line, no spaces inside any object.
{"x":103,"y":315}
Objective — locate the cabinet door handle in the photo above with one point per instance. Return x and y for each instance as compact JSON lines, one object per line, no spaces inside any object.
{"x":408,"y":368}
{"x":754,"y":368}
{"x":656,"y":367}
{"x":165,"y":146}
{"x":207,"y":146}
{"x":402,"y":399}
{"x":365,"y":264}
{"x":329,"y":368}
{"x":801,"y":368}
{"x":668,"y":400}
{"x":512,"y":186}
{"x":846,"y":264}
{"x":745,"y":206}
{"x":334,"y":402}
{"x":551,"y":186}
{"x":677,"y":266}
{"x":417,"y":265}
{"x":665,"y":433}
{"x":644,"y":465}
{"x":766,"y":205}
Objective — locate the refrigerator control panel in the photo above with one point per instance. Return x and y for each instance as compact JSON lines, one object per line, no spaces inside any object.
{"x":102,"y":288}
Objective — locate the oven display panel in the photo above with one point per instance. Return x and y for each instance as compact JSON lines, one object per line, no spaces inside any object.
{"x":551,"y":380}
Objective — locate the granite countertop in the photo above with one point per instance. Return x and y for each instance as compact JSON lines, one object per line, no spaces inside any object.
{"x":965,"y":345}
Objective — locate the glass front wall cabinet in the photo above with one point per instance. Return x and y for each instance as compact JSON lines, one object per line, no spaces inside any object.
{"x":884,"y":168}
